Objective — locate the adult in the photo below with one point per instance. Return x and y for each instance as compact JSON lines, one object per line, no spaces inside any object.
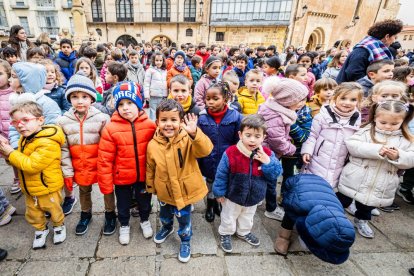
{"x":371,"y":48}
{"x":18,"y":40}
{"x":45,"y":42}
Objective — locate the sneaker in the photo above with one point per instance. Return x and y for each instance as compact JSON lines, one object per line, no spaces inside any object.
{"x":135,"y":212}
{"x":124,"y":235}
{"x":110,"y":223}
{"x":351,"y":208}
{"x":411,"y":271}
{"x":277,"y":214}
{"x":163,"y":234}
{"x":15,"y":187}
{"x":5,"y":218}
{"x":375,"y":212}
{"x":185,"y":252}
{"x":363,"y":228}
{"x":225,"y":243}
{"x":59,"y":234}
{"x":406,"y":195}
{"x":68,"y":204}
{"x":10,"y":210}
{"x":250,"y":239}
{"x":83,"y":223}
{"x":146,"y":229}
{"x":192,"y":208}
{"x":40,"y":239}
{"x":389,"y":209}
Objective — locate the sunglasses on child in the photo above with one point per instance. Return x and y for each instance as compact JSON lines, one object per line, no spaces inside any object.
{"x":23,"y":121}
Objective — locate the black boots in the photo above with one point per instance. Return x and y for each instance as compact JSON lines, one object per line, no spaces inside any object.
{"x":210,"y":209}
{"x":217,"y":208}
{"x":3,"y":254}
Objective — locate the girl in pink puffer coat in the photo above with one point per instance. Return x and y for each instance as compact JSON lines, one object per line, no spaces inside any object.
{"x":325,"y":151}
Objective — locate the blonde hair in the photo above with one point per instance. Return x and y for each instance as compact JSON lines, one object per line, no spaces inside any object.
{"x":378,"y":88}
{"x":58,"y":73}
{"x":6,"y":67}
{"x":92,"y":76}
{"x":348,"y":87}
{"x":27,"y":107}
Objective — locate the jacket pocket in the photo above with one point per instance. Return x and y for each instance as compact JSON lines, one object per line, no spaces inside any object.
{"x":43,"y":180}
{"x":162,"y":188}
{"x":192,"y":184}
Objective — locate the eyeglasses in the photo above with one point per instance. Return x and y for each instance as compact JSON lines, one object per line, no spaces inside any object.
{"x":24,"y":121}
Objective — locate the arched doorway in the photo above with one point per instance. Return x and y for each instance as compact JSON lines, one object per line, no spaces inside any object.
{"x":317,"y":38}
{"x":127,"y":40}
{"x":164,"y":40}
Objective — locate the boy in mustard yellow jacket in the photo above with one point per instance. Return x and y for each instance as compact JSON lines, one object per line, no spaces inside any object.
{"x":38,"y":160}
{"x":172,"y":170}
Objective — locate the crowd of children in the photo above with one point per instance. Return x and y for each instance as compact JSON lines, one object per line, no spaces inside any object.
{"x":222,"y":125}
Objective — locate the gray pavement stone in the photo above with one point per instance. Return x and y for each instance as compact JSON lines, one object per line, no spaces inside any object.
{"x":124,"y":266}
{"x":9,"y":267}
{"x":17,"y":238}
{"x":196,"y":266}
{"x":390,"y":263}
{"x":257,"y":265}
{"x":72,"y":266}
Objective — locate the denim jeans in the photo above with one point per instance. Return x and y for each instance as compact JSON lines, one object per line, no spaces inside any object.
{"x":167,"y":213}
{"x":3,"y":201}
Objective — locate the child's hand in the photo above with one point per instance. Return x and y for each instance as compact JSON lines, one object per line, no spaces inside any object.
{"x":220,"y":199}
{"x":5,"y":148}
{"x":383,"y":150}
{"x":392,"y":153}
{"x":262,"y":156}
{"x":306,"y":158}
{"x":190,"y":124}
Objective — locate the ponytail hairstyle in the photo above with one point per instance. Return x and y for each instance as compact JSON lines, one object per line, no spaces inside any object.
{"x":398,"y":107}
{"x":224,"y":89}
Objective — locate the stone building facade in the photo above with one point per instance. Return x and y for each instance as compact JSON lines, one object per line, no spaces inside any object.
{"x":406,"y":38}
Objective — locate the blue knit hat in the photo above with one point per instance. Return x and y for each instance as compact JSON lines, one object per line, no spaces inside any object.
{"x":179,"y":53}
{"x":32,"y":76}
{"x":127,"y":90}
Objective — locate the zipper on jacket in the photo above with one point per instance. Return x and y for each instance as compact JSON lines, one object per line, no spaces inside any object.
{"x":180,"y":158}
{"x":134,"y":135}
{"x":43,"y":181}
{"x":21,"y":171}
{"x":250,"y":174}
{"x":320,"y":146}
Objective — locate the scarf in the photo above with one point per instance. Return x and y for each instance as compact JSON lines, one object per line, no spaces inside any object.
{"x":186,"y":106}
{"x":23,"y":50}
{"x":377,"y":50}
{"x":49,"y":86}
{"x":218,"y":116}
{"x":288,"y":116}
{"x":180,"y":68}
{"x":135,"y":66}
{"x":242,"y":148}
{"x":341,"y":114}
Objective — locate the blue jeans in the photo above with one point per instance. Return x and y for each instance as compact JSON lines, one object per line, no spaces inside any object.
{"x":3,"y":201}
{"x":183,"y":216}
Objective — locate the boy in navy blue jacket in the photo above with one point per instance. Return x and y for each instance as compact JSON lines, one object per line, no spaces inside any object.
{"x":241,"y":181}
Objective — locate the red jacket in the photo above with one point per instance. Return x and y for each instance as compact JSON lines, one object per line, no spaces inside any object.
{"x":204,"y":57}
{"x":123,"y":151}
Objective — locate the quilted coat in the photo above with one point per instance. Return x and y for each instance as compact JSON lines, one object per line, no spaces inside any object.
{"x":135,"y":74}
{"x":4,"y":111}
{"x":155,"y":83}
{"x":174,"y":72}
{"x":200,"y":89}
{"x":58,"y":95}
{"x":249,"y":103}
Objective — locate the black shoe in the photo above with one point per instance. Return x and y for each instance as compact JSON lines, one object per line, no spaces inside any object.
{"x":217,"y":208}
{"x":210,"y":210}
{"x":3,"y":254}
{"x":406,"y":195}
{"x":110,"y":223}
{"x":83,"y":223}
{"x":411,"y":270}
{"x":389,"y":209}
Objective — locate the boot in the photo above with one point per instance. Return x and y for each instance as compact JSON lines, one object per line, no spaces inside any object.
{"x":282,"y":241}
{"x":210,"y":210}
{"x":217,"y":208}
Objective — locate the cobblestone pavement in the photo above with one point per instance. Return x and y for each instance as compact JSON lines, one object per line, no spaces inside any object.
{"x":391,"y":252}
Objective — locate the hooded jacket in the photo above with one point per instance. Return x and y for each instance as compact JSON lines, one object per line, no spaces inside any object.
{"x":4,"y":111}
{"x":67,"y":64}
{"x":200,"y":89}
{"x":38,"y":161}
{"x":249,"y":103}
{"x":135,"y":74}
{"x":172,"y":169}
{"x":241,"y":75}
{"x":174,"y":72}
{"x":155,"y":83}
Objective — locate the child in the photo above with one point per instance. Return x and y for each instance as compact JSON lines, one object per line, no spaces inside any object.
{"x":233,"y":81}
{"x":35,"y":54}
{"x":189,"y":54}
{"x":271,"y":66}
{"x":279,"y":113}
{"x":377,"y":152}
{"x":136,"y":72}
{"x":241,"y":68}
{"x":404,"y":74}
{"x":196,"y":69}
{"x":306,"y":60}
{"x":202,"y":52}
{"x":79,"y":155}
{"x":116,"y":72}
{"x":212,"y":71}
{"x":108,"y":59}
{"x":122,"y":157}
{"x":324,"y":90}
{"x":335,"y":65}
{"x":155,"y":83}
{"x":173,"y":173}
{"x":241,"y":179}
{"x":66,"y":59}
{"x":297,"y":72}
{"x":146,"y":54}
{"x":178,"y":68}
{"x":38,"y":161}
{"x":180,"y":92}
{"x":221,"y":125}
{"x":325,"y":152}
{"x":249,"y":96}
{"x":170,"y":58}
{"x":376,"y":72}
{"x":10,"y":55}
{"x":89,"y":70}
{"x":54,"y":84}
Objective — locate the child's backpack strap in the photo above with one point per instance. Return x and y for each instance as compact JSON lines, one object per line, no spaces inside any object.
{"x":354,"y":118}
{"x":332,"y":114}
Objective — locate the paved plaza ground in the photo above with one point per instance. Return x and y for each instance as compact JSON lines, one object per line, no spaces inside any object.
{"x":391,"y":252}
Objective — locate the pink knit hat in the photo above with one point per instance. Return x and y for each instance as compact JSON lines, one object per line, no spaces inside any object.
{"x":287,"y":92}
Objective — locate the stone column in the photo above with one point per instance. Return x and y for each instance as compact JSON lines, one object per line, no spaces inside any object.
{"x":79,"y":21}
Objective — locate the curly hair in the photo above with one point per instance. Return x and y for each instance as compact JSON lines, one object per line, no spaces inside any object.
{"x":380,"y":29}
{"x":59,"y":75}
{"x":224,"y":89}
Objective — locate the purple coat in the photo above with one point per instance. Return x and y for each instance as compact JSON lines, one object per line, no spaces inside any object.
{"x":4,"y":111}
{"x":200,"y":90}
{"x":326,"y":144}
{"x":277,"y":138}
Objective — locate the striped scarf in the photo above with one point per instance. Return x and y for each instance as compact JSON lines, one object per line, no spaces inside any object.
{"x":377,"y":50}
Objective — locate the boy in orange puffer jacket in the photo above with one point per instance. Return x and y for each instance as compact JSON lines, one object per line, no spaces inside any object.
{"x":122,"y":157}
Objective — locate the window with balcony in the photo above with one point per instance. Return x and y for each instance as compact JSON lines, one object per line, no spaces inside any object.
{"x":219,"y":36}
{"x":48,"y":22}
{"x":189,"y":32}
{"x":46,"y":3}
{"x":190,"y":10}
{"x":3,"y":18}
{"x":161,"y":11}
{"x":25,"y":24}
{"x":96,"y":11}
{"x":124,"y":11}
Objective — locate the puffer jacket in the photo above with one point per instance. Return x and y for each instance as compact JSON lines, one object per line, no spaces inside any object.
{"x":370,"y":178}
{"x":200,"y":89}
{"x":195,"y":74}
{"x":122,"y":151}
{"x":326,"y":144}
{"x":102,"y":74}
{"x":135,"y":74}
{"x":38,"y":161}
{"x":80,"y":152}
{"x":174,"y":72}
{"x":4,"y":111}
{"x":241,"y":75}
{"x":172,"y":169}
{"x":331,"y":72}
{"x":58,"y":95}
{"x":366,"y":84}
{"x":315,"y":105}
{"x":155,"y":83}
{"x":66,"y":64}
{"x":310,"y":83}
{"x":249,"y":103}
{"x":222,"y":136}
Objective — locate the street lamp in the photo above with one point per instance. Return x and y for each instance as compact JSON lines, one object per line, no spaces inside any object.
{"x":353,"y":22}
{"x":304,"y":10}
{"x":201,"y":3}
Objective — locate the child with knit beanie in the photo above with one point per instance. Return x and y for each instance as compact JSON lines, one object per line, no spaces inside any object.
{"x":179,"y":67}
{"x":279,"y":112}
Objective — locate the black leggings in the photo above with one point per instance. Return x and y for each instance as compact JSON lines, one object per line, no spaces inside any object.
{"x":363,"y":211}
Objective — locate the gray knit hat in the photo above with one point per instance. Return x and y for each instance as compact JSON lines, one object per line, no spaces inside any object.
{"x":80,"y":83}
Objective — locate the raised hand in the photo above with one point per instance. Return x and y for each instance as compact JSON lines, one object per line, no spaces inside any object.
{"x":262,"y":156}
{"x":190,"y":124}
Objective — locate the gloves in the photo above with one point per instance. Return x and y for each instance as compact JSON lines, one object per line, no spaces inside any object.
{"x":69,"y":183}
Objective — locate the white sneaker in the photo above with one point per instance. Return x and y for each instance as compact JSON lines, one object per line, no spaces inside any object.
{"x":277,"y":214}
{"x":192,"y":208}
{"x":40,"y":239}
{"x":146,"y":229}
{"x":363,"y":228}
{"x":375,"y":212}
{"x":351,"y":208}
{"x":260,"y":203}
{"x":124,"y":235}
{"x":59,"y":234}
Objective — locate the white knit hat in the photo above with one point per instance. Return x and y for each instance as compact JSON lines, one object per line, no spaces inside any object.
{"x":80,"y":83}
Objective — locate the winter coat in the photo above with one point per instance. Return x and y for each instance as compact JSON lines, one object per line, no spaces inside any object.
{"x":326,"y":144}
{"x":249,"y":103}
{"x":67,"y":64}
{"x":241,"y":75}
{"x":204,"y":57}
{"x":355,"y":66}
{"x":315,"y":105}
{"x":222,"y":136}
{"x":122,"y":151}
{"x":370,"y":178}
{"x":38,"y":161}
{"x":331,"y":72}
{"x":4,"y":111}
{"x":155,"y":83}
{"x":80,"y":152}
{"x":310,"y":83}
{"x":243,"y":180}
{"x":235,"y":104}
{"x":366,"y":84}
{"x":277,"y":135}
{"x":174,"y":72}
{"x":146,"y":59}
{"x":172,"y":169}
{"x":300,"y":130}
{"x":169,"y":63}
{"x":195,"y":74}
{"x":135,"y":74}
{"x":194,"y":109}
{"x":316,"y":71}
{"x":58,"y":95}
{"x":106,"y":85}
{"x":200,"y":89}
